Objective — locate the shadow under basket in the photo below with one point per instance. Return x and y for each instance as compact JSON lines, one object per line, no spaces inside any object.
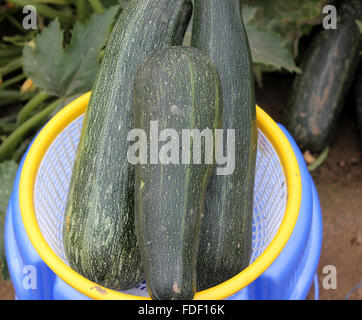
{"x":287,"y":224}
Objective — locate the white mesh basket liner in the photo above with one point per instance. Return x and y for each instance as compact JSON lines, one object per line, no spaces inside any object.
{"x":53,"y":178}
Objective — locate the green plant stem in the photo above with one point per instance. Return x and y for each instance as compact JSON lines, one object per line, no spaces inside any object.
{"x":15,"y":23}
{"x":24,"y":97}
{"x":323,"y":156}
{"x":10,"y":52}
{"x":31,"y":105}
{"x":9,"y":12}
{"x":15,"y":95}
{"x":81,"y":13}
{"x":13,"y":140}
{"x":9,"y":118}
{"x":5,"y":102}
{"x":20,"y":39}
{"x":11,"y":81}
{"x":5,"y":61}
{"x":14,"y":65}
{"x":97,"y":6}
{"x":45,"y":10}
{"x":7,"y":127}
{"x":61,"y":2}
{"x":20,"y":150}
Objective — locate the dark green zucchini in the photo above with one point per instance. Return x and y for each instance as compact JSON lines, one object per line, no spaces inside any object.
{"x":318,"y":94}
{"x":180,"y":89}
{"x":98,"y":234}
{"x":226,"y":236}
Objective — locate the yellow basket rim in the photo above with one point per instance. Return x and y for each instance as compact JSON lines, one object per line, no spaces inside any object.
{"x":92,"y":290}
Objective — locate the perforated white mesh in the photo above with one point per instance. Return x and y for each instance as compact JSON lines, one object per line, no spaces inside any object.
{"x":53,"y":178}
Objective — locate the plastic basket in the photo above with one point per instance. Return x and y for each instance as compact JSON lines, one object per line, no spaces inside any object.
{"x":41,"y":195}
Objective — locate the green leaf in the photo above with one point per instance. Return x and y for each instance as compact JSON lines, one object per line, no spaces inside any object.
{"x":71,"y":70}
{"x":7,"y":176}
{"x":290,"y":19}
{"x":248,"y":13}
{"x":359,"y":24}
{"x":268,"y":49}
{"x":46,"y":56}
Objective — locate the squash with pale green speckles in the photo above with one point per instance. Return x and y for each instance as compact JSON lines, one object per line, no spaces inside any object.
{"x":177,"y":89}
{"x":98,"y":231}
{"x":226,"y":235}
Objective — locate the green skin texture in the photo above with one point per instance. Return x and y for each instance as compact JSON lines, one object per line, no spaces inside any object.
{"x":170,"y":198}
{"x":226,"y":236}
{"x":98,"y":232}
{"x":319,"y":93}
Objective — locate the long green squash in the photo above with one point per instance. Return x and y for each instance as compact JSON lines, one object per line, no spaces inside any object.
{"x":318,"y":94}
{"x":98,"y":235}
{"x":226,"y":237}
{"x":179,"y":89}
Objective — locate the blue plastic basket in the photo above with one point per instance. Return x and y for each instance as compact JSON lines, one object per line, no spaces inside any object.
{"x":289,"y":277}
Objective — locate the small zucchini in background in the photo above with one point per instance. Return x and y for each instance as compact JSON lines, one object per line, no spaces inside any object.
{"x":98,"y":231}
{"x":177,"y":89}
{"x":319,"y":93}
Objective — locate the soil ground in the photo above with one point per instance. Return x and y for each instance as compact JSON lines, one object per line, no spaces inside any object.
{"x":339,"y":185}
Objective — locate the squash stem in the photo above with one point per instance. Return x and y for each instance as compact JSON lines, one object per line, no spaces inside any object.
{"x":14,"y":139}
{"x":5,"y":102}
{"x":97,"y":6}
{"x":15,"y":95}
{"x":61,"y":2}
{"x":81,"y":14}
{"x":15,"y":23}
{"x":7,"y":127}
{"x":10,"y":52}
{"x":31,"y":105}
{"x":20,"y":151}
{"x":323,"y":156}
{"x":13,"y":65}
{"x":11,"y":81}
{"x":5,"y":61}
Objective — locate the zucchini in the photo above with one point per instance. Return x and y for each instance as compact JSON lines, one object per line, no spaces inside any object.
{"x":98,"y":230}
{"x":179,"y":89}
{"x":319,"y":93}
{"x":226,"y":235}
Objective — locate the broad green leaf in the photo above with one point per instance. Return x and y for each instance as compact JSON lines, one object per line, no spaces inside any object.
{"x":248,"y":13}
{"x":43,"y":58}
{"x":7,"y":175}
{"x":73,"y":69}
{"x":359,"y":24}
{"x":290,"y":19}
{"x":267,"y":48}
